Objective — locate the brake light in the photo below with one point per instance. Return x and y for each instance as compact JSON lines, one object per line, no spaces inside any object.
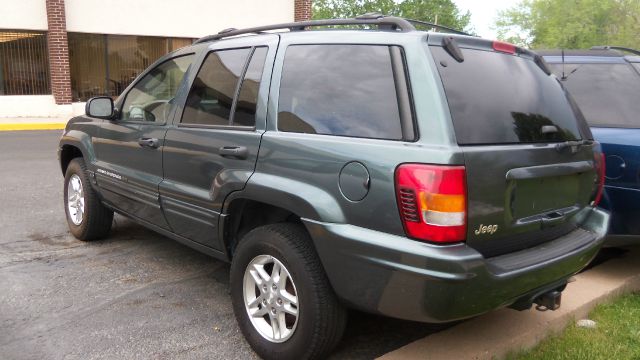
{"x":504,"y":47}
{"x":432,"y":201}
{"x":599,"y":163}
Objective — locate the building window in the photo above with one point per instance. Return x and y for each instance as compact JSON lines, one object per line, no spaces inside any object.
{"x":87,"y":62}
{"x":107,"y":64}
{"x":24,"y":64}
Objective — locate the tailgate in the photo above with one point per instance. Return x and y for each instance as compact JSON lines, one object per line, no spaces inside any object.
{"x":528,"y":151}
{"x":523,"y":195}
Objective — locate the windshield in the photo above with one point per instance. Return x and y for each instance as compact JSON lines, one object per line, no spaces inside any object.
{"x":497,"y":98}
{"x":607,"y":94}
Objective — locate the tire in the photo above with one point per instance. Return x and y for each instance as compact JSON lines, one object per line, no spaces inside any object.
{"x":320,"y":320}
{"x":95,"y":221}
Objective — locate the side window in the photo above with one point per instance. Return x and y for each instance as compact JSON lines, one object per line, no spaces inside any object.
{"x":211,"y":99}
{"x":151,"y":98}
{"x":345,"y":90}
{"x":245,"y":114}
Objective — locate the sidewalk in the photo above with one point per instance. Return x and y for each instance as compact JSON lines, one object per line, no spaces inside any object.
{"x":493,"y":335}
{"x":13,"y":124}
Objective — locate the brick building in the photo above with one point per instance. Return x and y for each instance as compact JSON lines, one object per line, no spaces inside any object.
{"x":55,"y":54}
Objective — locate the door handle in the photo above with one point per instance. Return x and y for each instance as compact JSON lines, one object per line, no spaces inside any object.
{"x":148,"y":142}
{"x":238,"y":152}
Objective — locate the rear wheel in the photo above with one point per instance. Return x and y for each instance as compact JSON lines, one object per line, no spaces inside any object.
{"x":282,"y":298}
{"x":87,"y":218}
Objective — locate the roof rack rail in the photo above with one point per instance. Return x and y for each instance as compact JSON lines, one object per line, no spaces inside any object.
{"x":436,"y":26}
{"x":609,"y":47}
{"x":224,"y":31}
{"x":383,"y":22}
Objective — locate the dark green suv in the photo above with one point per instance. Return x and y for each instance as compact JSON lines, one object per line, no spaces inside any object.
{"x":419,"y":175}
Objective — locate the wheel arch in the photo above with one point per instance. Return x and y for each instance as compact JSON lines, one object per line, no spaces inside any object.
{"x":68,"y":152}
{"x":72,"y":145}
{"x":266,"y":200}
{"x":243,"y":215}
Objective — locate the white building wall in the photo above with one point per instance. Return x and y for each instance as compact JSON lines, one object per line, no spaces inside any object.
{"x":173,"y":18}
{"x":170,"y":18}
{"x":35,"y":106}
{"x":23,"y":14}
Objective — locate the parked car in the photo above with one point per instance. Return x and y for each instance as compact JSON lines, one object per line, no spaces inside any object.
{"x":605,"y":83}
{"x":418,"y":175}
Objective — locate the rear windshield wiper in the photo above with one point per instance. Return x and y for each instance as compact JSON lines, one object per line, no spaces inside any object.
{"x":573,"y":144}
{"x":565,"y":77}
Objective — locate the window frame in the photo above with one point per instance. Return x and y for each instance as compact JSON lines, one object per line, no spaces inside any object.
{"x":403,"y":90}
{"x":236,"y":93}
{"x":123,"y":98}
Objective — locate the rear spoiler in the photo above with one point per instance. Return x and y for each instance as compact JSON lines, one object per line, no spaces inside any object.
{"x":453,"y":45}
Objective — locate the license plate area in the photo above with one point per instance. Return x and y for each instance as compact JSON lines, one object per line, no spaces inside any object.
{"x":537,"y":196}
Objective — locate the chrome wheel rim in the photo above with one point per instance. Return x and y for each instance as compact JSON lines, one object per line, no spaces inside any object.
{"x":271,"y":298}
{"x":75,"y":200}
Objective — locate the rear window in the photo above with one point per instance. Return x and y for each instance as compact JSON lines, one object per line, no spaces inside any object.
{"x":496,"y":98}
{"x":606,"y":93}
{"x":344,"y":90}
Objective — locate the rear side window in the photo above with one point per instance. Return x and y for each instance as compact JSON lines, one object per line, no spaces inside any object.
{"x":344,"y":90}
{"x":212,"y":99}
{"x":496,"y":98}
{"x":245,"y":112}
{"x":607,"y":94}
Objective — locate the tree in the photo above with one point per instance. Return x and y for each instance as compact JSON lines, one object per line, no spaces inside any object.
{"x":571,"y":24}
{"x":448,"y":14}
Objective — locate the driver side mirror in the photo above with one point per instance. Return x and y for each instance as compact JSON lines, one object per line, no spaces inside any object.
{"x":100,"y":107}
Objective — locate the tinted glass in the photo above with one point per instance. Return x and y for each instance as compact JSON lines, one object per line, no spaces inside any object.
{"x":88,"y":66}
{"x":24,"y":63}
{"x":106,"y":64}
{"x":211,"y":96}
{"x":151,"y":97}
{"x":607,"y":94}
{"x":245,"y":113}
{"x":345,"y":90}
{"x":497,"y":98}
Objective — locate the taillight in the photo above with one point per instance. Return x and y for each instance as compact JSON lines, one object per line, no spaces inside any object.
{"x":504,"y":47}
{"x":600,"y":172}
{"x":432,"y":202}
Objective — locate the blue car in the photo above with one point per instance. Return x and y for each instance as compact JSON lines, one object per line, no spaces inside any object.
{"x":605,"y":83}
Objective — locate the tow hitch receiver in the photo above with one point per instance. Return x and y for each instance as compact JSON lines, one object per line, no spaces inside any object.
{"x":548,"y":301}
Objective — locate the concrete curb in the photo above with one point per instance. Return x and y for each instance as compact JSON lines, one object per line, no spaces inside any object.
{"x":498,"y":333}
{"x":32,"y":126}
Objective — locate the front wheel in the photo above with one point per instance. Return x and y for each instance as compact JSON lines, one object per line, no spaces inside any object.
{"x":87,"y":218}
{"x":281,"y":296}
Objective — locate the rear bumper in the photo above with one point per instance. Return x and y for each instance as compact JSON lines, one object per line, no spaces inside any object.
{"x":402,"y":278}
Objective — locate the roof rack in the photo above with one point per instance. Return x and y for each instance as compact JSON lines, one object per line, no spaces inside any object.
{"x":609,"y":47}
{"x":390,"y":23}
{"x":383,"y":22}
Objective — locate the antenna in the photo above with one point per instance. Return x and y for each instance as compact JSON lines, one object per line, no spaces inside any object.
{"x":564,"y":77}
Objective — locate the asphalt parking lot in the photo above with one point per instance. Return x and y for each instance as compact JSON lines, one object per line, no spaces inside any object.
{"x":135,"y":295}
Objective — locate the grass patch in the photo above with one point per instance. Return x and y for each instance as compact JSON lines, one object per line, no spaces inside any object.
{"x":617,"y":335}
